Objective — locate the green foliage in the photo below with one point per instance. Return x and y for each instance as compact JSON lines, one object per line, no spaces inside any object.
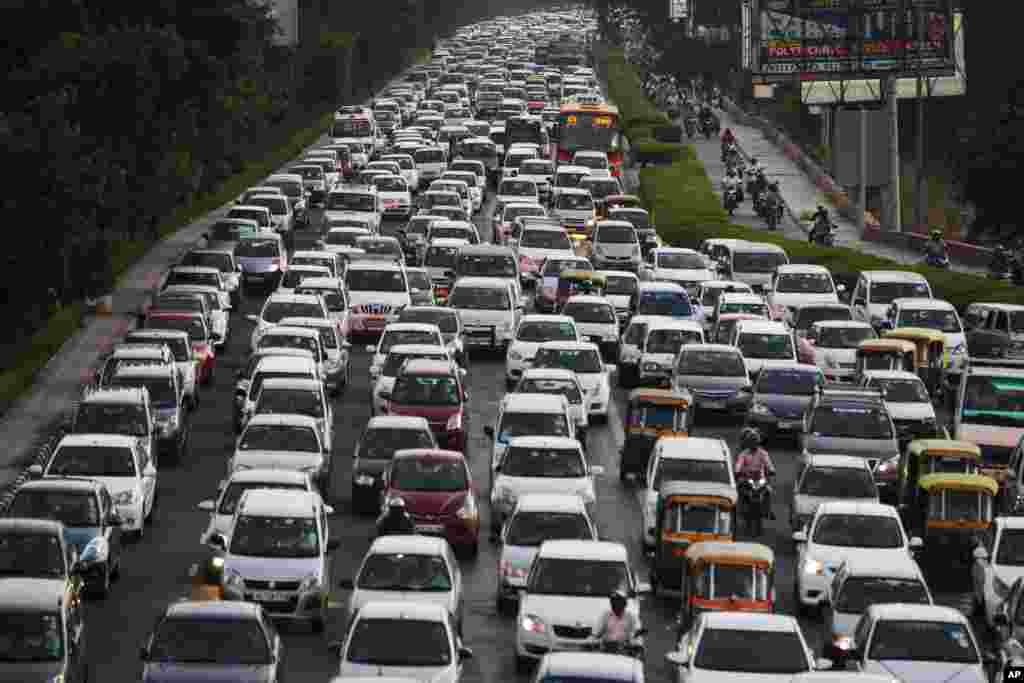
{"x":637,"y":113}
{"x":42,"y":346}
{"x":649,"y":151}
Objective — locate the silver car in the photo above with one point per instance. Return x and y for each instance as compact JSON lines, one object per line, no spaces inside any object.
{"x":850,"y":422}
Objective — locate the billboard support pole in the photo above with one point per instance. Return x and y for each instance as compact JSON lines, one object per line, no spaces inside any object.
{"x":920,"y":201}
{"x":893,"y":104}
{"x":862,"y":171}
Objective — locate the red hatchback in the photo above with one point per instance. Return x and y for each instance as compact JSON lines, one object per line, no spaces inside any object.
{"x":432,"y":389}
{"x":199,"y":337}
{"x":438,"y":492}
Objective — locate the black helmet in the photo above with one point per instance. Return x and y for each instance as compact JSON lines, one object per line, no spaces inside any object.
{"x":396,"y":504}
{"x":753,"y":160}
{"x":618,"y":596}
{"x":750,"y":438}
{"x":774,"y":187}
{"x":936,"y":234}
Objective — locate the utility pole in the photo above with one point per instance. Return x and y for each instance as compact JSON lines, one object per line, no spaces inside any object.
{"x":895,"y":221}
{"x":862,"y":171}
{"x":920,"y":185}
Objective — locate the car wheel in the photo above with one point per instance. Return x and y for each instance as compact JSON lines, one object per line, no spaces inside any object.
{"x":523,"y":664}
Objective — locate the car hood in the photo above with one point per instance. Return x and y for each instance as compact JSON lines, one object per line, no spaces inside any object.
{"x":377,"y":303}
{"x":607,"y":331}
{"x":431,"y":413}
{"x":284,"y":460}
{"x":361,"y":597}
{"x":430,"y":502}
{"x":569,"y":610}
{"x":30,"y":672}
{"x":683,"y":274}
{"x":832,"y":557}
{"x":179,"y":672}
{"x":581,"y":486}
{"x":808,"y":505}
{"x":510,"y":198}
{"x":911,"y":411}
{"x":928,"y":672}
{"x":874,"y":449}
{"x":785,"y":405}
{"x":267,"y":568}
{"x":424,"y":674}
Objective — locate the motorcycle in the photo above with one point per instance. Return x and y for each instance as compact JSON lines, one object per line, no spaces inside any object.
{"x":707,"y":127}
{"x":753,"y":499}
{"x":691,"y":126}
{"x":937,"y":261}
{"x":635,"y":648}
{"x":824,"y":236}
{"x":771,"y":212}
{"x":731,"y":200}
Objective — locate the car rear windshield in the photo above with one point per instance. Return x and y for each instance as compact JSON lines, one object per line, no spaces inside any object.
{"x":530,"y":529}
{"x":273,"y":437}
{"x":480,"y":298}
{"x":858,"y":531}
{"x":161,"y":389}
{"x":789,"y":382}
{"x":375,"y":281}
{"x":757,"y":261}
{"x":275,"y":311}
{"x":546,"y":239}
{"x":257,"y":248}
{"x":586,"y":361}
{"x":670,"y":341}
{"x":434,"y":390}
{"x":616,"y":234}
{"x":425,"y":474}
{"x":234,"y":491}
{"x":583,"y":578}
{"x":92,"y":461}
{"x":838,"y":482}
{"x":351,"y":201}
{"x":574,"y":202}
{"x":587,"y":312}
{"x":851,"y":422}
{"x":711,"y":363}
{"x":543,"y":462}
{"x":381,"y":443}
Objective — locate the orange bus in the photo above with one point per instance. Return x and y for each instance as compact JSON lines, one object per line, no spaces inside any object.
{"x":588,"y":126}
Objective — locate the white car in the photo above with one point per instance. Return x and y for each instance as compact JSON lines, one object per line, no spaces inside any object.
{"x":536,"y":518}
{"x":584,"y":359}
{"x":615,"y":244}
{"x":685,"y":267}
{"x":933,"y":314}
{"x":359,"y":202}
{"x":218,"y":306}
{"x":567,"y":593}
{"x":561,"y":382}
{"x":700,"y":460}
{"x":620,"y":287}
{"x":827,"y":478}
{"x":343,"y":237}
{"x":184,"y":360}
{"x":286,"y":337}
{"x":764,"y":343}
{"x":532,"y":331}
{"x":430,"y":648}
{"x":800,"y":284}
{"x":408,"y":568}
{"x":384,"y":379}
{"x":378,"y":291}
{"x":395,"y":196}
{"x":402,"y":333}
{"x":742,"y":303}
{"x":222,"y":509}
{"x":661,"y":345}
{"x":489,"y":310}
{"x":773,"y":647}
{"x":298,"y":396}
{"x":919,"y":644}
{"x":282,"y":219}
{"x":528,"y":415}
{"x":840,"y":530}
{"x":540,"y":464}
{"x":835,"y":345}
{"x":540,"y":171}
{"x":596,"y":321}
{"x":121,"y":463}
{"x":476,"y":195}
{"x":572,"y":207}
{"x":431,"y":162}
{"x":407,"y":165}
{"x":631,"y":346}
{"x":907,"y":399}
{"x":998,"y":563}
{"x":596,"y":161}
{"x":276,"y":554}
{"x":515,"y":190}
{"x":281,"y":305}
{"x":877,"y":289}
{"x":282,"y":441}
{"x":706,"y":298}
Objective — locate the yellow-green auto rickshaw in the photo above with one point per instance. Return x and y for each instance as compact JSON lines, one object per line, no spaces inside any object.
{"x":573,"y":282}
{"x":952,"y":512}
{"x":689,"y":512}
{"x":650,"y":415}
{"x":734,"y":577}
{"x":885,"y":354}
{"x":932,"y":456}
{"x":929,"y":355}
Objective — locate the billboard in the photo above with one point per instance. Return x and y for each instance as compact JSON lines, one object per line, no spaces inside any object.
{"x":678,"y":9}
{"x":286,"y":14}
{"x":836,"y":39}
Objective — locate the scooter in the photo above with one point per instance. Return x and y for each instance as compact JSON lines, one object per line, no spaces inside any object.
{"x":824,"y":238}
{"x":937,"y":261}
{"x":771,"y":212}
{"x":753,"y":497}
{"x":731,"y":200}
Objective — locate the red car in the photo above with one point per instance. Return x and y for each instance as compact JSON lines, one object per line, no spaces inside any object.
{"x":432,"y":389}
{"x":199,"y":335}
{"x":438,"y":492}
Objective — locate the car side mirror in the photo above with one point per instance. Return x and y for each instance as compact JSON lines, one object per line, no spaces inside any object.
{"x":489,"y":432}
{"x":333,"y":544}
{"x":253,"y":318}
{"x":980,"y":554}
{"x":916,"y":543}
{"x":144,"y":652}
{"x":217,"y":540}
{"x":465,"y":652}
{"x":800,"y":537}
{"x":114,"y":519}
{"x":206,"y":506}
{"x":597,"y":470}
{"x":678,"y":658}
{"x":35,"y":471}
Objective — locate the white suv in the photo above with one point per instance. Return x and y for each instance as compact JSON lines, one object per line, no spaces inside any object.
{"x":489,"y":310}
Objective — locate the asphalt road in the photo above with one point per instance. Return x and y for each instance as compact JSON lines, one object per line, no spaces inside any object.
{"x":154,"y":570}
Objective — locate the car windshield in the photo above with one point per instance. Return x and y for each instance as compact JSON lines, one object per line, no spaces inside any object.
{"x":278,"y":205}
{"x":351,"y":201}
{"x":768,"y":652}
{"x":448,"y":321}
{"x":291,"y":401}
{"x":423,"y":643}
{"x":711,"y":363}
{"x":543,"y":463}
{"x":616,"y":234}
{"x":838,"y":482}
{"x":227,"y":232}
{"x":31,"y":636}
{"x":903,"y":390}
{"x":234,"y":491}
{"x":620,"y":285}
{"x":1011,"y":548}
{"x":804,"y":283}
{"x":584,"y":361}
{"x":71,"y":509}
{"x":851,"y":422}
{"x":670,"y":341}
{"x":532,"y":167}
{"x":429,"y":390}
{"x":402,"y":572}
{"x":530,"y":529}
{"x":275,"y":311}
{"x":788,"y":382}
{"x":398,"y":337}
{"x":425,"y":474}
{"x":542,"y":331}
{"x":92,"y":461}
{"x":590,"y":312}
{"x":583,"y":578}
{"x":546,"y":239}
{"x":288,"y":187}
{"x":480,"y":298}
{"x":514,"y":211}
{"x":111,"y":418}
{"x":375,"y":281}
{"x":180,"y":640}
{"x":194,"y":326}
{"x":885,"y":292}
{"x":210,"y":259}
{"x":439,"y":198}
{"x":346,"y":238}
{"x":757,"y":262}
{"x":746,"y":307}
{"x":922,"y":641}
{"x":36,"y":555}
{"x":769,"y":346}
{"x":390,"y":184}
{"x":808,"y":315}
{"x":685,"y":469}
{"x":418,"y":279}
{"x":500,"y":265}
{"x":843,"y":337}
{"x":260,"y":217}
{"x":943,"y":320}
{"x":574,"y":202}
{"x":272,"y":437}
{"x":428,"y":156}
{"x":515,"y":424}
{"x":681,"y":261}
{"x":995,"y":401}
{"x":858,"y":531}
{"x":674,"y":304}
{"x":441,"y":257}
{"x":568,"y":179}
{"x":859,"y":593}
{"x":561,"y":387}
{"x":258,"y":248}
{"x":381,"y":443}
{"x":372,"y":245}
{"x":275,"y":537}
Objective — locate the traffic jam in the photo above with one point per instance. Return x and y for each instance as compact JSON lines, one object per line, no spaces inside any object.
{"x":435,"y":402}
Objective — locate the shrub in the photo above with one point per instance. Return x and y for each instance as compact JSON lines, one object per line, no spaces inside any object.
{"x":649,"y":151}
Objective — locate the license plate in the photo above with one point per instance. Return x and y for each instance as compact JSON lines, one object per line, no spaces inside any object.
{"x":270,"y":596}
{"x":429,"y":529}
{"x":715,"y":405}
{"x":788,"y":424}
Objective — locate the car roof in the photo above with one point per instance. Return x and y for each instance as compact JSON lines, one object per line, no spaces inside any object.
{"x":882,"y":565}
{"x":914,"y":612}
{"x":428,"y":366}
{"x":924,"y":302}
{"x":278,"y":363}
{"x":488,"y":249}
{"x":801,"y":268}
{"x":375,"y":265}
{"x":25,"y":525}
{"x":716,"y":348}
{"x":397,"y":422}
{"x":583,"y":550}
{"x":282,"y":419}
{"x":278,"y":503}
{"x":861,"y":508}
{"x":891,"y":374}
{"x":573,"y":190}
{"x":674,"y":324}
{"x":214,"y":610}
{"x":19,"y":593}
{"x":118,"y":440}
{"x":411,"y":327}
{"x":485,"y":282}
{"x":750,"y":621}
{"x":593,"y":666}
{"x":533,"y":403}
{"x":116,"y":395}
{"x":550,"y":502}
{"x":545,"y":442}
{"x":408,"y":545}
{"x":588,"y":298}
{"x":408,"y":609}
{"x":292,"y":383}
{"x":568,"y":346}
{"x":320,"y":282}
{"x":269,"y":476}
{"x":693,"y":448}
{"x":295,"y":330}
{"x":81,"y":484}
{"x":893,"y":276}
{"x":851,"y":462}
{"x":841,"y":323}
{"x":763,"y":326}
{"x":294,"y":298}
{"x":550,"y":373}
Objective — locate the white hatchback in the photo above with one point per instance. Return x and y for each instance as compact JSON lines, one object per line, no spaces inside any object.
{"x":532,"y":331}
{"x":584,"y":359}
{"x":402,"y":333}
{"x":222,"y":509}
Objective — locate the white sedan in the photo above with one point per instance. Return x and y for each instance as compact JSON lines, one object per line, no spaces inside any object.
{"x":998,"y":563}
{"x":532,"y":331}
{"x":583,"y":358}
{"x":395,"y":196}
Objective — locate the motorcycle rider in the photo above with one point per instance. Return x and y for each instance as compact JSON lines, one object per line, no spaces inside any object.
{"x":753,"y":462}
{"x":731,"y":181}
{"x":1000,"y":261}
{"x":396,"y":521}
{"x":728,"y":140}
{"x":617,"y":627}
{"x":935,"y":247}
{"x":772,"y":198}
{"x":821,"y":227}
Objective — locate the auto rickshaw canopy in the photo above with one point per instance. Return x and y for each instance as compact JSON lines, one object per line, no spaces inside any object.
{"x":709,"y":493}
{"x":721,"y":552}
{"x":886,"y":345}
{"x":623,"y":201}
{"x":662,"y":397}
{"x":959,"y":482}
{"x":595,"y":279}
{"x":926,"y":342}
{"x":944,"y":448}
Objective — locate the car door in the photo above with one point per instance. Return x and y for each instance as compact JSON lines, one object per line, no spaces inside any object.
{"x":112,"y":532}
{"x":328,"y":420}
{"x":456,"y":573}
{"x":146,"y":472}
